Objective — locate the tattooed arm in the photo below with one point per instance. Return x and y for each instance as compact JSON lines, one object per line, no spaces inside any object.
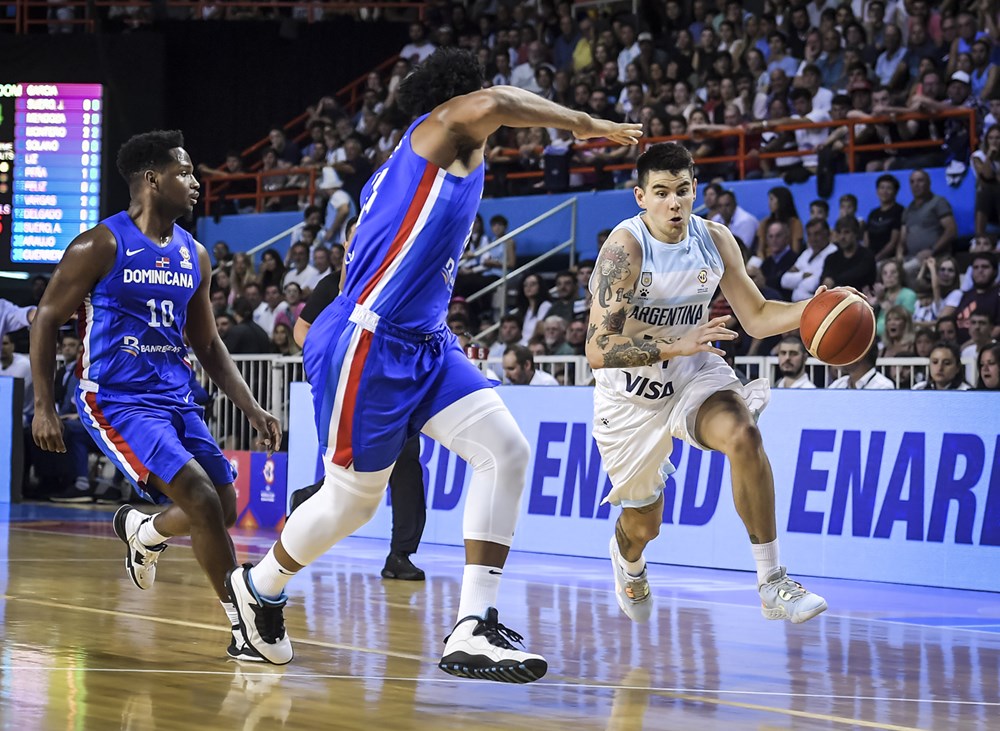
{"x":615,"y":280}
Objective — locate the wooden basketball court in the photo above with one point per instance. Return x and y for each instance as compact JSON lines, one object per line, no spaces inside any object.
{"x":84,"y":649}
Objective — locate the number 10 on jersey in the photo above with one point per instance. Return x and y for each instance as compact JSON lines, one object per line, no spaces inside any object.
{"x":165,"y":310}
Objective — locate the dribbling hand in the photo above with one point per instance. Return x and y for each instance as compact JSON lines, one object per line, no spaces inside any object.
{"x":47,"y":430}
{"x":269,"y":431}
{"x":701,"y":338}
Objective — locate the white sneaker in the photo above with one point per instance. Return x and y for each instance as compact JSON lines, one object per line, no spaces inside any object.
{"x":480,"y":648}
{"x":262,"y":621}
{"x":140,"y":560}
{"x":632,"y":592}
{"x":239,"y":650}
{"x":783,"y":598}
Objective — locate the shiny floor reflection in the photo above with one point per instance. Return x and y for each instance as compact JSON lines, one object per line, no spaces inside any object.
{"x":84,"y":649}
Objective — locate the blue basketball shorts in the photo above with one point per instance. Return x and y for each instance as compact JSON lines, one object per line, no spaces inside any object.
{"x":375,"y":384}
{"x":145,"y":434}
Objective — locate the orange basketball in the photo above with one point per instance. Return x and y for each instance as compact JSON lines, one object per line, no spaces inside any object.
{"x":838,"y":327}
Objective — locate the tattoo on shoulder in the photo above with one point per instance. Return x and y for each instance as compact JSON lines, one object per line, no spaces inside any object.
{"x":612,"y":268}
{"x":632,"y":354}
{"x":614,"y":322}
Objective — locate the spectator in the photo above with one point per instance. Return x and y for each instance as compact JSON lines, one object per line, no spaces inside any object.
{"x":509,"y":334}
{"x":851,"y":265}
{"x":883,"y":232}
{"x":419,"y":47}
{"x":231,"y":191}
{"x":253,"y":294}
{"x":302,"y":272}
{"x":13,"y":317}
{"x":986,"y":164}
{"x":792,"y":364}
{"x":897,"y":340}
{"x":267,"y":312}
{"x":554,"y":332}
{"x":945,"y":370}
{"x":890,"y":67}
{"x":952,"y":287}
{"x":947,"y":329}
{"x":355,"y":169}
{"x":980,"y":335}
{"x":519,"y":368}
{"x":295,"y":301}
{"x":739,"y":221}
{"x":989,"y":369}
{"x":241,"y":274}
{"x":282,"y":341}
{"x":223,"y":257}
{"x":780,"y":258}
{"x":923,"y":342}
{"x":533,"y":305}
{"x":340,"y":206}
{"x":272,"y":270}
{"x":928,"y":223}
{"x":220,"y":301}
{"x":321,"y":262}
{"x":891,"y":290}
{"x":803,"y":278}
{"x":523,"y":75}
{"x":78,"y":441}
{"x":245,"y":337}
{"x":630,"y":48}
{"x":18,"y":365}
{"x":985,"y":74}
{"x":566,"y":304}
{"x":983,"y":297}
{"x":223,"y":322}
{"x":929,"y":303}
{"x":782,"y":209}
{"x":820,"y":209}
{"x":576,"y":336}
{"x":862,"y":375}
{"x":287,"y":150}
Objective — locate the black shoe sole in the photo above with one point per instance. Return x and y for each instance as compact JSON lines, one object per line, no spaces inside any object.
{"x":525,"y":672}
{"x":419,"y":576}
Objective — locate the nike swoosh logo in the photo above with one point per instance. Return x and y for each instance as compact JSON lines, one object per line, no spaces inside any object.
{"x":496,"y":573}
{"x":129,"y":252}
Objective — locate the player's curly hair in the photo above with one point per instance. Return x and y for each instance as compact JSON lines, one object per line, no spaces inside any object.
{"x":148,"y":150}
{"x":668,"y":157}
{"x":445,"y":74}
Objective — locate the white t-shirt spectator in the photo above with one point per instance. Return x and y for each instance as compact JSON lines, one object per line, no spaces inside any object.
{"x":744,"y":226}
{"x":871,"y":381}
{"x":810,"y":139}
{"x":308,"y":278}
{"x":800,"y":382}
{"x":531,"y":321}
{"x":804,"y":282}
{"x":541,"y":378}
{"x":265,"y":316}
{"x":421,"y":51}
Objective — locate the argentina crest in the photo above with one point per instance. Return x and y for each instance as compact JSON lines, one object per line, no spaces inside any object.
{"x":646,"y":279}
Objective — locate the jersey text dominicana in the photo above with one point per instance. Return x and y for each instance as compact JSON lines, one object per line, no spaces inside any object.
{"x":673,"y":295}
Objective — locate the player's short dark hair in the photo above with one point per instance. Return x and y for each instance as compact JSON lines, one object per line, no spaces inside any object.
{"x":445,"y":74}
{"x":148,"y":150}
{"x":669,"y":157}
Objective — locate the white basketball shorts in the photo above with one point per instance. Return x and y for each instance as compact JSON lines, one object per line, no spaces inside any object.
{"x":635,"y":436}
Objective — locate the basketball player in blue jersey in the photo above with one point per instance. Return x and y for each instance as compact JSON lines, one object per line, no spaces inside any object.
{"x":659,"y":375}
{"x":383,"y":365}
{"x":139,"y":284}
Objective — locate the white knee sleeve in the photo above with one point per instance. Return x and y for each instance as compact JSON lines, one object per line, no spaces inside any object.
{"x":481,"y":430}
{"x":347,"y":501}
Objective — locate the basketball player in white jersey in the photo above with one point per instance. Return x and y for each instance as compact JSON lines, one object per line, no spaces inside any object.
{"x":659,"y":376}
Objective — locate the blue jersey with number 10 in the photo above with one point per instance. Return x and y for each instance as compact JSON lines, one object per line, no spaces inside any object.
{"x":415,"y":220}
{"x":132,"y":322}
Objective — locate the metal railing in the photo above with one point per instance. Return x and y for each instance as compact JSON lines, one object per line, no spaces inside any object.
{"x":270,"y":378}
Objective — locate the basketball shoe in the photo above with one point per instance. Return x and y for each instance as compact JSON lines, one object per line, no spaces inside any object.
{"x":140,"y":560}
{"x":632,"y":592}
{"x":239,"y":649}
{"x":262,"y":621}
{"x":481,"y":649}
{"x":783,"y":598}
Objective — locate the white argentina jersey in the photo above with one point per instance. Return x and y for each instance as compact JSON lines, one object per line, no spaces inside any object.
{"x":673,"y":294}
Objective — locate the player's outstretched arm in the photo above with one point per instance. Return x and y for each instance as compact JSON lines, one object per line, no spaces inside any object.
{"x":613,"y":286}
{"x":215,"y":359}
{"x":464,"y":123}
{"x":88,"y":258}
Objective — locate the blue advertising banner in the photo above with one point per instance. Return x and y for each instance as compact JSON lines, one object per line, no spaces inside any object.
{"x":883,"y":486}
{"x":268,"y":485}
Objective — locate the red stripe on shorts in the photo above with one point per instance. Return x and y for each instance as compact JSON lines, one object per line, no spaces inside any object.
{"x":343,"y":454}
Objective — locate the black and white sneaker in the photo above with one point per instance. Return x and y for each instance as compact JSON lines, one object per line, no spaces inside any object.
{"x":481,"y":649}
{"x":239,"y":649}
{"x":140,"y":560}
{"x":262,"y":621}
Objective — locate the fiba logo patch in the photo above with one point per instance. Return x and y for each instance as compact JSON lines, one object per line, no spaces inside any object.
{"x":185,"y":258}
{"x":702,"y":280}
{"x":267,"y":495}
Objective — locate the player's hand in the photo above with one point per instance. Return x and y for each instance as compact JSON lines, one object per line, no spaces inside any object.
{"x":626,"y":133}
{"x":269,"y":431}
{"x":47,"y":429}
{"x":701,"y":338}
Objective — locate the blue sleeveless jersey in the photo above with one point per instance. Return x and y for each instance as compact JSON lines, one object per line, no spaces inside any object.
{"x":132,"y":322}
{"x":414,"y":222}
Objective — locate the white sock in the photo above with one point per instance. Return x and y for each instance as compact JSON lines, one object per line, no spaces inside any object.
{"x":632,"y":568}
{"x":148,"y":535}
{"x":480,"y":587}
{"x":269,"y":577}
{"x":766,"y":556}
{"x":234,"y":617}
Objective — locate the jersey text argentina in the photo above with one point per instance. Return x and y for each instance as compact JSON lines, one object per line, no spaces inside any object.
{"x":672,"y":296}
{"x":132,"y":322}
{"x":402,"y":261}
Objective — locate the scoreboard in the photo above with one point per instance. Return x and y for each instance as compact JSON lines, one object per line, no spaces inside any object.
{"x":50,"y":168}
